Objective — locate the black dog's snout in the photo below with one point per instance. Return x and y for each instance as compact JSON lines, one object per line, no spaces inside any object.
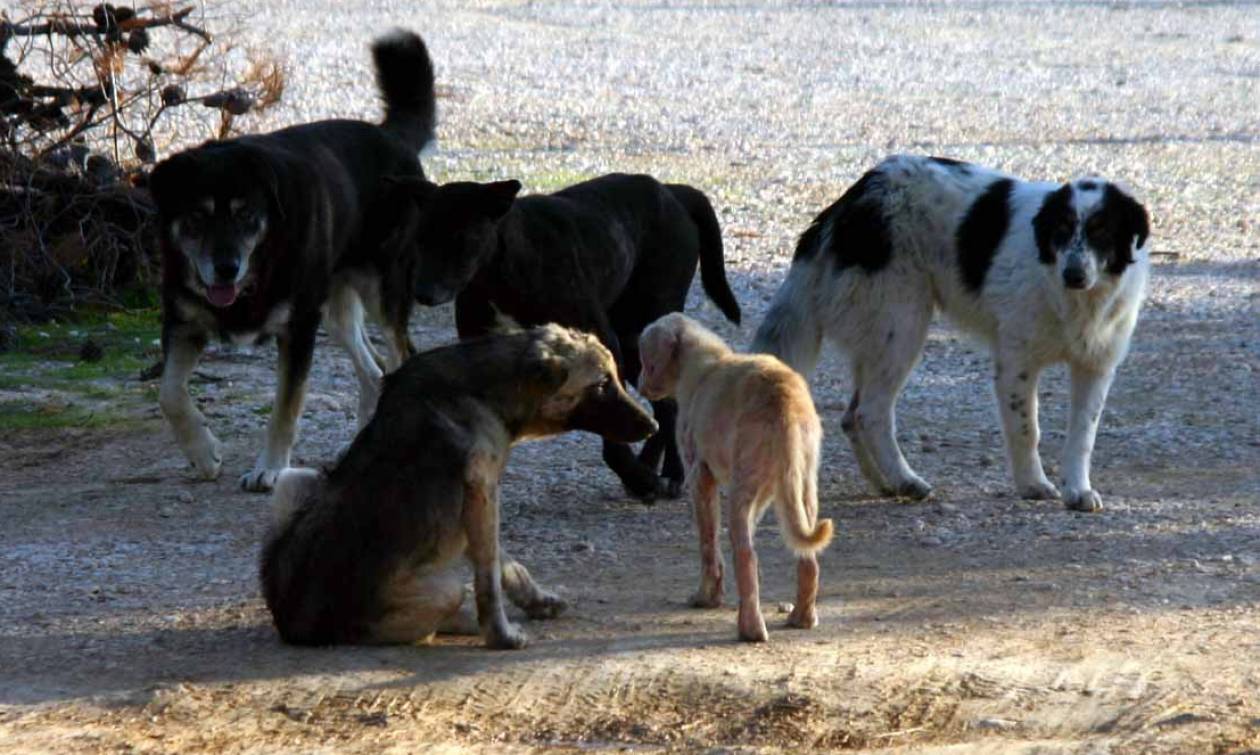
{"x":1074,"y":277}
{"x":226,"y":271}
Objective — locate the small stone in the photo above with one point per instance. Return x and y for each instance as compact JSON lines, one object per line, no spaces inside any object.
{"x":584,"y":547}
{"x":786,"y":607}
{"x":995,"y":724}
{"x":931,"y":541}
{"x":185,"y":497}
{"x":91,"y":351}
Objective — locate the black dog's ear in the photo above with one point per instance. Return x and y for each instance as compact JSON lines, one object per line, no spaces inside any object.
{"x":165,"y":179}
{"x":499,"y":196}
{"x":261,"y":166}
{"x":416,"y":187}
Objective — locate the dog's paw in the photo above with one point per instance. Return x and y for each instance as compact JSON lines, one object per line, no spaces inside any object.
{"x":506,"y":637}
{"x":1041,"y":490}
{"x":1083,"y":500}
{"x":260,"y":480}
{"x":546,"y":606}
{"x":205,"y":455}
{"x":802,"y":618}
{"x":703,"y":598}
{"x":752,"y":627}
{"x":915,"y":488}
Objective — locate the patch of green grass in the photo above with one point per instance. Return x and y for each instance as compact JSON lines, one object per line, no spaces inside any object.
{"x":25,"y":415}
{"x":553,"y":180}
{"x":74,"y":392}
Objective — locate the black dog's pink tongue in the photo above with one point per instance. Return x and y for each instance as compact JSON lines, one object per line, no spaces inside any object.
{"x":221,"y":295}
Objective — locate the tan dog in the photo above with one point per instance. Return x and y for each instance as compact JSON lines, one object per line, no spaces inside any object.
{"x":746,"y":422}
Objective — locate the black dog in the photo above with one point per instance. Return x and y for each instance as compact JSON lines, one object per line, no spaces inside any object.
{"x":367,"y":553}
{"x":261,"y":233}
{"x":608,"y":256}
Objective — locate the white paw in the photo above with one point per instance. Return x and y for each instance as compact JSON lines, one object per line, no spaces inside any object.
{"x":204,"y":455}
{"x":1042,"y":490}
{"x":1083,"y":500}
{"x":260,"y":480}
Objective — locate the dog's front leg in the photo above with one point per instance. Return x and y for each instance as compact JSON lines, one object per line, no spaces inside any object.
{"x":481,"y":525}
{"x":296,"y":347}
{"x":1015,"y":383}
{"x":1089,"y":393}
{"x":194,"y":438}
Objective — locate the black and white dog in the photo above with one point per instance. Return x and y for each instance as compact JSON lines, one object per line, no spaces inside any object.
{"x":263,"y":234}
{"x":1045,"y":273}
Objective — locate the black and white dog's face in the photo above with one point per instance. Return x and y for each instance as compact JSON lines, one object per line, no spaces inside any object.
{"x":216,"y":203}
{"x":1087,"y":231}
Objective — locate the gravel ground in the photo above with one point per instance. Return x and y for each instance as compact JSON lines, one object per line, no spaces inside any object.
{"x":973,"y":622}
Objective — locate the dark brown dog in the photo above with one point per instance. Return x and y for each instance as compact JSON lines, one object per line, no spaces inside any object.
{"x":367,"y":553}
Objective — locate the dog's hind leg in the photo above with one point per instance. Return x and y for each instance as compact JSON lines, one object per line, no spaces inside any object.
{"x":705,"y":510}
{"x":742,"y":510}
{"x":196,"y":441}
{"x":866,"y":462}
{"x":418,"y":607}
{"x":345,"y":322}
{"x":881,"y":367}
{"x":525,"y":593}
{"x":296,"y":346}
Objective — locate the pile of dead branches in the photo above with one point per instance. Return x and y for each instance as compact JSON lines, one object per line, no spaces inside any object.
{"x":90,"y":97}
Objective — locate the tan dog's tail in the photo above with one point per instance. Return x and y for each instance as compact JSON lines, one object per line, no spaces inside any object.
{"x":797,"y":505}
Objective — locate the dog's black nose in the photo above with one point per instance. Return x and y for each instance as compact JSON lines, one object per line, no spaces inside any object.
{"x":226,"y":271}
{"x":1074,"y":277}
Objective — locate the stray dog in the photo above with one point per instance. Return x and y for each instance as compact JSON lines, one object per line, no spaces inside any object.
{"x":608,"y":256}
{"x":1044,"y":273}
{"x":746,"y":422}
{"x":262,"y":233}
{"x":367,"y":553}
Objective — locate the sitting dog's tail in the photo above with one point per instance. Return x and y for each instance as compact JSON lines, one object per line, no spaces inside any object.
{"x":797,"y":500}
{"x":404,"y":74}
{"x":712,"y":261}
{"x":791,"y":330}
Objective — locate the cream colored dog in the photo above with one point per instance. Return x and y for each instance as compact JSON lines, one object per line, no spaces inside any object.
{"x":746,"y":422}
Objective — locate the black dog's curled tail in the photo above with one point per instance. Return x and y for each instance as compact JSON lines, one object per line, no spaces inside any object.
{"x":404,"y":74}
{"x":712,"y":260}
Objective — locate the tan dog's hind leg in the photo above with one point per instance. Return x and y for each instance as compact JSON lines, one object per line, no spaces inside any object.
{"x":418,"y":608}
{"x":805,"y":615}
{"x":742,"y":514}
{"x":705,"y":508}
{"x":525,"y":593}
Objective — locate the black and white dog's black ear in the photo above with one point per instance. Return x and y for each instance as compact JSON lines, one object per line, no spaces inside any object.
{"x":1129,"y":217}
{"x":1054,"y":223}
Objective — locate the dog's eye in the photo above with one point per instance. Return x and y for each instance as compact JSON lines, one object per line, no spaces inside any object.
{"x":1063,"y":233}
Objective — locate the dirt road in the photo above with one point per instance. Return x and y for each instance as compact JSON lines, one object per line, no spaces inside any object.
{"x":129,"y":611}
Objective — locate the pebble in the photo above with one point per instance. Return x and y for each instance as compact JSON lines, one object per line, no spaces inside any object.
{"x":786,"y":607}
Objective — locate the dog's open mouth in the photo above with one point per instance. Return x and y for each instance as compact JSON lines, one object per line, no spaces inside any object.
{"x":221,"y":294}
